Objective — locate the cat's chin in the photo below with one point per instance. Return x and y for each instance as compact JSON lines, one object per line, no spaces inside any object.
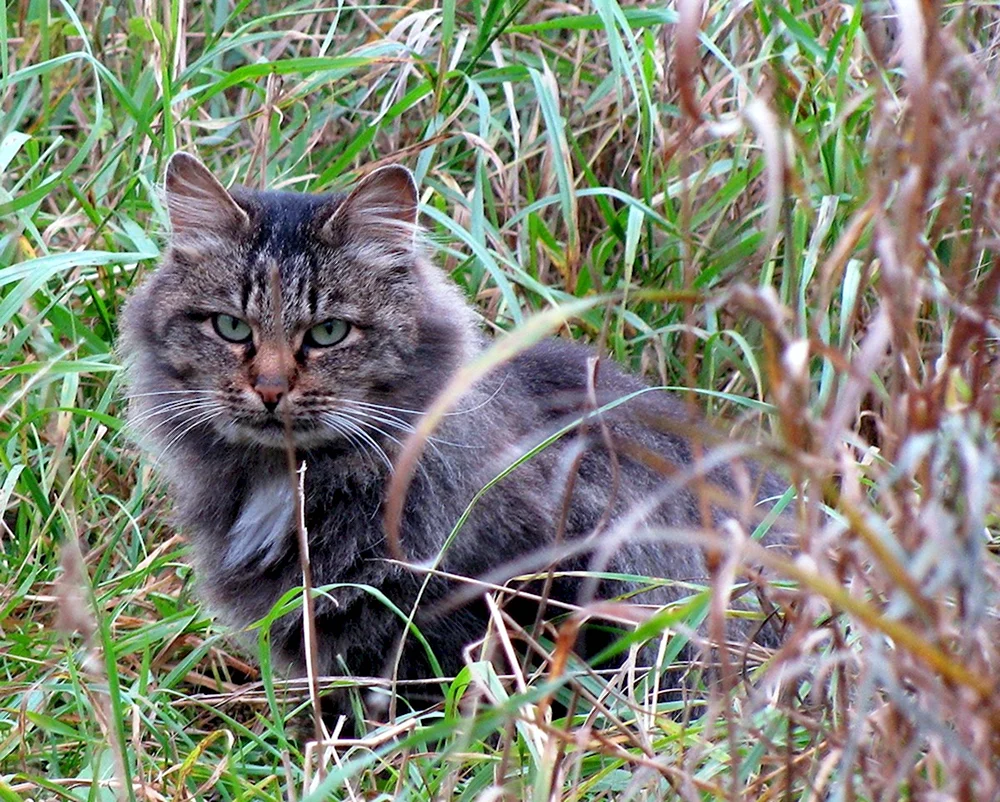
{"x":276,"y":436}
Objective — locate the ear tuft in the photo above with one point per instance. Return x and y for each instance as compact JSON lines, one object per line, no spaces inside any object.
{"x":197,"y":203}
{"x":382,"y":206}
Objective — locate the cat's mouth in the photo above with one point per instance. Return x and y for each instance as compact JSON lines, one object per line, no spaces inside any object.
{"x":272,"y":429}
{"x":305,"y":432}
{"x":273,"y":420}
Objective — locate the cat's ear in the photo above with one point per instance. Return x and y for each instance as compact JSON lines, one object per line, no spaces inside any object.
{"x":197,"y":203}
{"x":382,"y":206}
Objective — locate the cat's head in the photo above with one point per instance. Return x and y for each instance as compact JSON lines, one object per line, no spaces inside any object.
{"x":273,"y":306}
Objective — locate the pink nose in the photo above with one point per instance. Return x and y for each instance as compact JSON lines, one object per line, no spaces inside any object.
{"x":271,"y":390}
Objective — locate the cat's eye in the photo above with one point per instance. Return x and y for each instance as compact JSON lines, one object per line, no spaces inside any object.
{"x":329,"y":332}
{"x":232,"y":329}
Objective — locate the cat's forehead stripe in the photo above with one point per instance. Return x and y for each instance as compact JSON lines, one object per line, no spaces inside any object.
{"x":246,"y":286}
{"x":285,"y":221}
{"x":303,"y":294}
{"x":313,"y":298}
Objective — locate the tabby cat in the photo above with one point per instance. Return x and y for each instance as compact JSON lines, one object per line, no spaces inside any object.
{"x":322,"y":311}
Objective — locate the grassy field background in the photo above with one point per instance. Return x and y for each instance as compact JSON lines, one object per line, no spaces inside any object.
{"x":813,"y":186}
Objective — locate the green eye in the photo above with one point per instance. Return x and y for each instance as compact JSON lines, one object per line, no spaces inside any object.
{"x":232,"y":328}
{"x":327,"y":333}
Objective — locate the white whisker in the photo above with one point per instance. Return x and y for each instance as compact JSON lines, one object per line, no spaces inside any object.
{"x":395,"y":423}
{"x":173,"y":406}
{"x":137,"y":425}
{"x":483,"y":403}
{"x":388,"y":436}
{"x":405,"y":411}
{"x":398,"y":423}
{"x":353,"y":426}
{"x":371,"y":425}
{"x":337,"y":425}
{"x":193,"y":424}
{"x":377,"y":449}
{"x":176,"y":421}
{"x":380,"y":407}
{"x":169,"y":392}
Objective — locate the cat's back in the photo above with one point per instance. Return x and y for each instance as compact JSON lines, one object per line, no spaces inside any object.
{"x":658,"y":438}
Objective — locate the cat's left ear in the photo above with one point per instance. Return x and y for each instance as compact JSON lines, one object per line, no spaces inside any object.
{"x":382,"y":206}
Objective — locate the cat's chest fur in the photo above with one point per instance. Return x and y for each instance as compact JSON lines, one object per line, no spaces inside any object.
{"x":240,"y":514}
{"x":263,"y":527}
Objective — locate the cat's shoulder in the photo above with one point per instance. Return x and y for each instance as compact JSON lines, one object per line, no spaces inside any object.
{"x":553,"y":364}
{"x":556,"y":364}
{"x":558,"y":372}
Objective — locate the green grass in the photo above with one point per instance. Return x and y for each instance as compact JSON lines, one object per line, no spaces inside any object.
{"x":815,"y":256}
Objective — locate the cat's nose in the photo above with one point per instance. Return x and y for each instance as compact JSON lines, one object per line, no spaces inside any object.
{"x":271,"y":390}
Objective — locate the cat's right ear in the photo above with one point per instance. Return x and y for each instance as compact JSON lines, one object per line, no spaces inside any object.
{"x":197,"y":203}
{"x":383,"y":206}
